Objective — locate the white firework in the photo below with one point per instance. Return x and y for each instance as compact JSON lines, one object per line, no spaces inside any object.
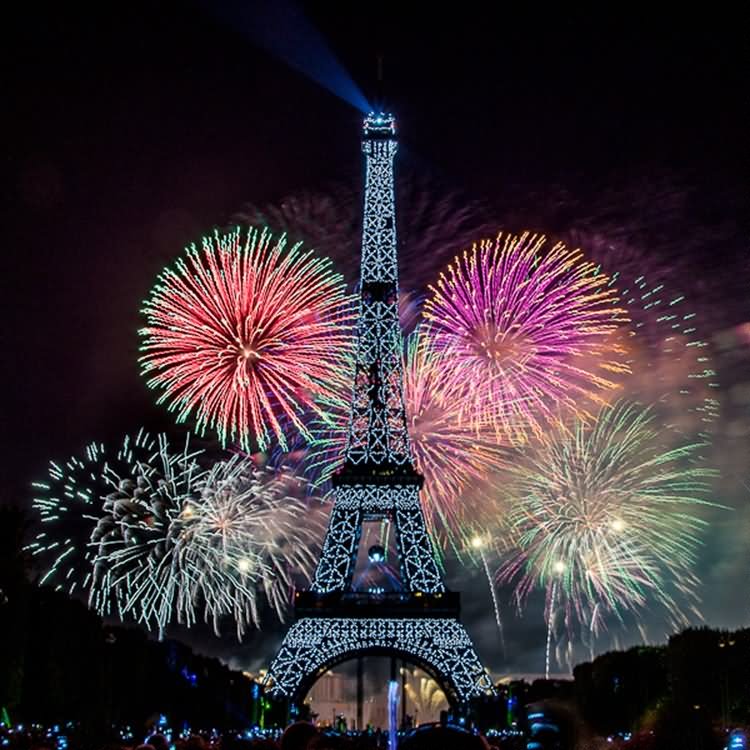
{"x":244,"y":533}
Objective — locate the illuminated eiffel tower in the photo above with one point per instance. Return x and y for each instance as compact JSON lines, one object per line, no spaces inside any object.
{"x":378,"y":481}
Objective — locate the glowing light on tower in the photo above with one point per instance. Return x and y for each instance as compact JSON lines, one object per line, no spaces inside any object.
{"x":248,"y":337}
{"x":377,"y":481}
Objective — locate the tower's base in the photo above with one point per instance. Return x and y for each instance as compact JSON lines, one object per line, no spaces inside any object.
{"x":439,"y":645}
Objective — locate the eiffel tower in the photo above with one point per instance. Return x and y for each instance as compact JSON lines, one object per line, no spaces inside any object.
{"x":378,"y":481}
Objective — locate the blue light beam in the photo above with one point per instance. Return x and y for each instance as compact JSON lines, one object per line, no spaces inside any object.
{"x":281,"y":28}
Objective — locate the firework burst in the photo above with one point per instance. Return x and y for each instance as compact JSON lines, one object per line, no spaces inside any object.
{"x":248,"y":337}
{"x":425,"y":695}
{"x":105,"y":501}
{"x":605,"y":521}
{"x":531,"y":331}
{"x":452,"y":452}
{"x":244,"y":531}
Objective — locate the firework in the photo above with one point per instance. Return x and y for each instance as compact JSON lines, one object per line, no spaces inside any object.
{"x":530,"y":331}
{"x":135,"y":530}
{"x":425,"y":695}
{"x":605,"y":521}
{"x":671,"y":366}
{"x":244,"y":531}
{"x":454,"y":454}
{"x":102,"y":501}
{"x":478,"y":543}
{"x":248,"y":337}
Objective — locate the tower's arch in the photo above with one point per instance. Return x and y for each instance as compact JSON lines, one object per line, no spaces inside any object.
{"x":439,"y":646}
{"x":443,"y":681}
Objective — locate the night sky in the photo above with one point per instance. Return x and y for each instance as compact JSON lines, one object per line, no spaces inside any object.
{"x":131,"y":130}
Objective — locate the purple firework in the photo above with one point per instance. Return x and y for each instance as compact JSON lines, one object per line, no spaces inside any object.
{"x":534,"y":332}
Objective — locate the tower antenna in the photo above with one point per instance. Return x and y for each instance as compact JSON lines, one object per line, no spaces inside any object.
{"x":379,"y":87}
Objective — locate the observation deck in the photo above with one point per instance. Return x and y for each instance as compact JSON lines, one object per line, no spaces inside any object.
{"x":359,"y":604}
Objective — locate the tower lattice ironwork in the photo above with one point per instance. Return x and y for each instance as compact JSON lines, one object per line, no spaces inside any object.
{"x":378,"y":481}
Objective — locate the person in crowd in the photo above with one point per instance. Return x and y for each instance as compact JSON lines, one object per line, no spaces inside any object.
{"x":430,"y":738}
{"x":158,"y":742}
{"x":297,"y":736}
{"x":195,"y":742}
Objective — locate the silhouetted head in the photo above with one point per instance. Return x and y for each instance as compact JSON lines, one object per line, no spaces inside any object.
{"x":158,"y":742}
{"x":433,"y":737}
{"x":296,"y":736}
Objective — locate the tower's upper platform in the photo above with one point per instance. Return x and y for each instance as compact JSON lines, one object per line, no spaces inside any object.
{"x":379,"y":125}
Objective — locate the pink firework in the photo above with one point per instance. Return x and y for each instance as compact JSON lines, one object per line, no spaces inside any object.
{"x":454,"y":454}
{"x":530,"y":332}
{"x":248,"y":337}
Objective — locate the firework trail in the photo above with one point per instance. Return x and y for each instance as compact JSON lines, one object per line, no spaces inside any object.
{"x":329,"y":221}
{"x":606,"y":521}
{"x":532,"y":332}
{"x":550,"y":624}
{"x":248,"y":337}
{"x":671,"y":365}
{"x":453,"y":453}
{"x":671,"y":228}
{"x":478,"y":544}
{"x":244,"y":531}
{"x":69,"y":503}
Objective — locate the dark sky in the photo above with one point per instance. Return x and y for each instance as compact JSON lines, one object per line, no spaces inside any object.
{"x":131,"y":129}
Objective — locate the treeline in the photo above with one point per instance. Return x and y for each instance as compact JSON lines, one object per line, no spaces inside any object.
{"x":686,"y":695}
{"x":60,"y":662}
{"x":687,"y":690}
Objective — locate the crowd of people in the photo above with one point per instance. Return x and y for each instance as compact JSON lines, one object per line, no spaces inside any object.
{"x":298,"y":736}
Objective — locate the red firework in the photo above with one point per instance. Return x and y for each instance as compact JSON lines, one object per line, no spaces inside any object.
{"x":248,"y":337}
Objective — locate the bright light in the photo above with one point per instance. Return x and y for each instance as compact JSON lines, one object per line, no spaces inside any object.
{"x":618,"y":524}
{"x":243,"y":565}
{"x":559,"y":567}
{"x":477,"y":542}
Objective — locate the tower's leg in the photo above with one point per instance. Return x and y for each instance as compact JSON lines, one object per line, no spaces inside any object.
{"x":419,"y":568}
{"x":337,"y":560}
